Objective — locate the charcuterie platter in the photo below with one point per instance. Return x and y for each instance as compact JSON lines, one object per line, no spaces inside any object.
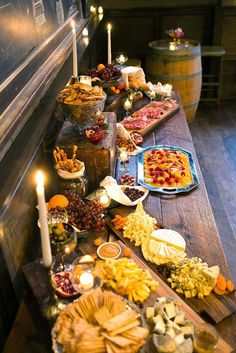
{"x":150,"y":116}
{"x":167,"y":169}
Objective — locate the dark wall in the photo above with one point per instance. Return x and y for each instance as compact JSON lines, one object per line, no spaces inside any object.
{"x":31,"y":150}
{"x":136,"y":23}
{"x":25,"y":25}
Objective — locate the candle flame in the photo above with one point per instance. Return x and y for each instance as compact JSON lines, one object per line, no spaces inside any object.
{"x":39,"y":178}
{"x":109,"y":26}
{"x":100,"y":10}
{"x":73,"y":24}
{"x":85,"y":32}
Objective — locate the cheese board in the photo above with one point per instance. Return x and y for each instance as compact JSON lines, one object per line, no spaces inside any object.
{"x":216,"y":307}
{"x":150,"y":116}
{"x":163,"y":290}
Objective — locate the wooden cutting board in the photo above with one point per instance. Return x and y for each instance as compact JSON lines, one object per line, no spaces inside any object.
{"x":163,"y":290}
{"x":157,"y":122}
{"x":216,"y":307}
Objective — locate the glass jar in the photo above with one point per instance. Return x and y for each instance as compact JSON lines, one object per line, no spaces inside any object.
{"x":78,"y":184}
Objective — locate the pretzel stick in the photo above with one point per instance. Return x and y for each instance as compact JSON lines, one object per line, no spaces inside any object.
{"x":74,"y":152}
{"x":55,"y":156}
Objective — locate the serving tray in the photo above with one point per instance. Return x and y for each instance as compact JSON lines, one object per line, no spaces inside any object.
{"x":162,"y":290}
{"x":154,"y":123}
{"x":165,"y":189}
{"x":216,"y":307}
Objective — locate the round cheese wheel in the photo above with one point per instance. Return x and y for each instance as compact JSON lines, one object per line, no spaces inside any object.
{"x":170,"y":238}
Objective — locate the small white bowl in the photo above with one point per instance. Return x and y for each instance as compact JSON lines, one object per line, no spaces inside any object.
{"x":126,"y":200}
{"x":107,"y":244}
{"x":67,"y":175}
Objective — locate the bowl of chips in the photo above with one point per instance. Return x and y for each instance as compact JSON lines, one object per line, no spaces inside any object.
{"x":82,"y":104}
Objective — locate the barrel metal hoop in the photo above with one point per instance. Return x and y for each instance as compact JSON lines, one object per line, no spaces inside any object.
{"x":174,"y":78}
{"x":171,"y":58}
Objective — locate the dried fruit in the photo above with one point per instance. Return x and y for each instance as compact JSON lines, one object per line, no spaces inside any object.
{"x":127,"y":252}
{"x":97,"y":242}
{"x":218,"y":291}
{"x":223,"y":286}
{"x":230,"y":286}
{"x":221,"y":283}
{"x":119,"y":222}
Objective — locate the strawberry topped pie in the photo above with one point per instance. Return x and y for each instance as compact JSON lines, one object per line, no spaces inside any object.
{"x":167,"y":168}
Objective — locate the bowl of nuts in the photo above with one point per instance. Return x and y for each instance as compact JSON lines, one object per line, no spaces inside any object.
{"x":82,"y":104}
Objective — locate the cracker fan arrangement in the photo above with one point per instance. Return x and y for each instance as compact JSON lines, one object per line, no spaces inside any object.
{"x":123,"y":298}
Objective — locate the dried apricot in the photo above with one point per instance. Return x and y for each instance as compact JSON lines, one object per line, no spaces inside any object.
{"x":97,"y":242}
{"x":218,"y":291}
{"x":230,"y":286}
{"x":221,"y":283}
{"x":127,"y":252}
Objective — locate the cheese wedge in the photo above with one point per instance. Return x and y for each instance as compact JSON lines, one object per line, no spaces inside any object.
{"x":170,"y":238}
{"x":163,"y":246}
{"x":212,"y":273}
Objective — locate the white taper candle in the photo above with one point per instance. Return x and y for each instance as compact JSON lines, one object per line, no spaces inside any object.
{"x":44,"y":232}
{"x":75,"y":63}
{"x":109,"y":43}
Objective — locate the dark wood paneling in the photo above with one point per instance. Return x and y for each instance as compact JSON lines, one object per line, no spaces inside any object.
{"x":19,"y":238}
{"x":144,"y":4}
{"x":132,"y":30}
{"x":196,"y":25}
{"x":228,"y":38}
{"x":228,"y":80}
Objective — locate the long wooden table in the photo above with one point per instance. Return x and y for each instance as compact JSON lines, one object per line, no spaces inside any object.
{"x":190,"y":214}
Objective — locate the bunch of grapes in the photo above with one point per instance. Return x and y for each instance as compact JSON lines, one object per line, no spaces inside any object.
{"x":84,"y":215}
{"x":93,"y":72}
{"x":108,"y":72}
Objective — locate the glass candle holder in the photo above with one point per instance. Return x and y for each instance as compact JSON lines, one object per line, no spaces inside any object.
{"x":205,"y":338}
{"x":103,"y":197}
{"x":121,"y":59}
{"x":172,"y":46}
{"x":124,"y":160}
{"x":127,"y":104}
{"x":152,"y":95}
{"x":131,"y":95}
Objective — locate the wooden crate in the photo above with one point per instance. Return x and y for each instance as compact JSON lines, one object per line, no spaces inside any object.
{"x":99,"y":158}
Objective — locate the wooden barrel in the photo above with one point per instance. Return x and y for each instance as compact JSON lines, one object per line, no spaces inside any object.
{"x":181,"y":67}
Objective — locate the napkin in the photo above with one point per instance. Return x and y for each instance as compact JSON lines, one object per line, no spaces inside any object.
{"x":133,"y":71}
{"x":114,"y":191}
{"x":164,"y":90}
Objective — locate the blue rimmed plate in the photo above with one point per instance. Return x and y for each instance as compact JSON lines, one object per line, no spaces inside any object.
{"x":167,"y":190}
